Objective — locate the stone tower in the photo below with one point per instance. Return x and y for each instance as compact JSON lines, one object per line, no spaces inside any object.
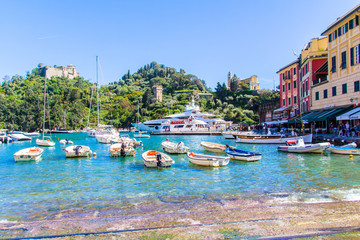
{"x":158,"y":92}
{"x":229,"y":80}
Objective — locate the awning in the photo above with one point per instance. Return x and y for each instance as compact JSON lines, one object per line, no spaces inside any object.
{"x":282,"y":109}
{"x":328,"y":115}
{"x":346,"y":116}
{"x":355,"y":116}
{"x":276,"y":122}
{"x":304,"y":117}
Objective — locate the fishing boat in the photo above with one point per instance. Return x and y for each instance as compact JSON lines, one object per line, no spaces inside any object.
{"x":238,"y":154}
{"x":121,"y":150}
{"x":28,"y":154}
{"x":66,"y":141}
{"x":207,"y":160}
{"x":154,"y":158}
{"x":298,"y":146}
{"x":173,"y":147}
{"x":45,"y":141}
{"x":348,"y":149}
{"x":214,"y":147}
{"x":77,"y":151}
{"x":271,"y":139}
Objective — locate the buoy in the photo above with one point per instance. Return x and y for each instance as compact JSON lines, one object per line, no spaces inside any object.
{"x":167,"y":139}
{"x":63,"y":149}
{"x":351,"y":156}
{"x":94,"y":154}
{"x":58,"y":138}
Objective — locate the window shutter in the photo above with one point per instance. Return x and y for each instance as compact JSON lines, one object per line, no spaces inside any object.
{"x":357,"y":21}
{"x":339,"y":31}
{"x":351,"y":24}
{"x":352,"y":56}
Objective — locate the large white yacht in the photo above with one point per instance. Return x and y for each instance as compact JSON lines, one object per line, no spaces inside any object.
{"x":190,"y":120}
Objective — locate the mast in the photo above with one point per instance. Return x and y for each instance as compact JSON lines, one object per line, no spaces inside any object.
{"x":97,"y":90}
{"x":44,"y":107}
{"x":92,"y":89}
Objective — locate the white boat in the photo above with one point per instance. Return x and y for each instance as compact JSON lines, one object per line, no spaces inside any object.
{"x":77,"y":151}
{"x":348,"y":149}
{"x":208,"y":160}
{"x":298,"y":146}
{"x":28,"y":154}
{"x":125,"y":138}
{"x":121,"y":150}
{"x":19,"y":137}
{"x":66,"y":141}
{"x":173,"y":147}
{"x":140,"y":135}
{"x":271,"y":139}
{"x":45,"y":142}
{"x":228,"y":135}
{"x":154,"y":158}
{"x":238,"y":154}
{"x":214,"y":147}
{"x":32,"y":134}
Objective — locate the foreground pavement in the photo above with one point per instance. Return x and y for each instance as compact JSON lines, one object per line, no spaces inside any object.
{"x":194,"y":217}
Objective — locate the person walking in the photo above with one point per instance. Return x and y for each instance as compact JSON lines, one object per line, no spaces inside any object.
{"x":347,"y":131}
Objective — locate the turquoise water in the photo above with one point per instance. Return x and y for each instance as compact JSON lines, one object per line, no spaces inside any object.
{"x":55,"y":183}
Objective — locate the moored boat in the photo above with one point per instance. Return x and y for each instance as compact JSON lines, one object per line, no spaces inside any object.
{"x":214,"y":147}
{"x":19,"y":137}
{"x":45,"y":142}
{"x":298,"y":146}
{"x":173,"y":147}
{"x":348,"y":149}
{"x":28,"y":154}
{"x":77,"y":151}
{"x":121,"y":150}
{"x":66,"y":141}
{"x":228,"y":135}
{"x":238,"y":154}
{"x":271,"y":139}
{"x":154,"y":158}
{"x":208,"y":160}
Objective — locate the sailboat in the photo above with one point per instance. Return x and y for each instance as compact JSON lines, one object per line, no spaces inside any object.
{"x":45,"y":141}
{"x":140,"y":134}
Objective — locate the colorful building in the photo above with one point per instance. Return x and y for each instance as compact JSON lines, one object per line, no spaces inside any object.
{"x":342,"y":87}
{"x":289,"y":91}
{"x":235,"y":83}
{"x":313,"y":70}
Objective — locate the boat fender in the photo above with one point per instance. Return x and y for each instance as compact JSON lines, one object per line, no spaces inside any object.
{"x":192,"y":154}
{"x":158,"y":158}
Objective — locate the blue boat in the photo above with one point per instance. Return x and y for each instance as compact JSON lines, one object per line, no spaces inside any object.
{"x":238,"y":154}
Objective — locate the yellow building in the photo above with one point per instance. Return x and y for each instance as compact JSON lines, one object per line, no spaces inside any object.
{"x":342,"y":86}
{"x":234,"y":83}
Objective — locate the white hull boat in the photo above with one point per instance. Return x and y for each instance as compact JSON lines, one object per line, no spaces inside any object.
{"x":271,"y":139}
{"x":28,"y":154}
{"x":45,"y":142}
{"x":156,"y":159}
{"x":140,"y":135}
{"x":32,"y":134}
{"x":348,"y":149}
{"x":77,"y":151}
{"x":208,"y":160}
{"x":173,"y":147}
{"x":298,"y":146}
{"x":214,"y":147}
{"x":238,"y":154}
{"x":120,"y":150}
{"x":66,"y":141}
{"x":228,"y":135}
{"x":19,"y":137}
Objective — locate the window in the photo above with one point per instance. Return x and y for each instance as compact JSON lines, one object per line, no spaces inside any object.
{"x":307,"y":87}
{"x":344,"y":88}
{"x":325,"y":93}
{"x":339,"y":31}
{"x":295,"y":100}
{"x":284,"y":102}
{"x":356,"y":86}
{"x":289,"y":86}
{"x":334,"y":91}
{"x":283,"y":88}
{"x":351,"y":24}
{"x":289,"y":101}
{"x":345,"y":28}
{"x":343,"y":60}
{"x":333,"y":64}
{"x":357,"y":21}
{"x":330,"y":37}
{"x":294,"y":84}
{"x":317,"y":96}
{"x":283,"y":75}
{"x":294,"y":71}
{"x":289,"y":74}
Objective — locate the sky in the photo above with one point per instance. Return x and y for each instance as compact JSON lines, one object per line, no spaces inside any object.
{"x":206,"y":38}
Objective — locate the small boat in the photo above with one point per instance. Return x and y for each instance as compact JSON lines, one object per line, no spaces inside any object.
{"x":173,"y":147}
{"x":156,"y":159}
{"x":77,"y":151}
{"x":45,"y":142}
{"x":66,"y":141}
{"x":348,"y":149}
{"x":19,"y":137}
{"x":238,"y":154}
{"x":32,"y":134}
{"x":271,"y":139}
{"x":298,"y":146}
{"x":228,"y":135}
{"x":214,"y":147}
{"x":28,"y":154}
{"x":121,"y":150}
{"x":208,"y":160}
{"x":140,"y":135}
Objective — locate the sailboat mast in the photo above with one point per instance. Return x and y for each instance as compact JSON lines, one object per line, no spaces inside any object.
{"x":92,"y":89}
{"x":44,"y":108}
{"x":97,"y":90}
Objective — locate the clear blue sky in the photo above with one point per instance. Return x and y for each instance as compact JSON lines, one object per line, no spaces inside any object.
{"x":207,"y":38}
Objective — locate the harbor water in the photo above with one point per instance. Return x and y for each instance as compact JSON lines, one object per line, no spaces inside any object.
{"x":55,"y":183}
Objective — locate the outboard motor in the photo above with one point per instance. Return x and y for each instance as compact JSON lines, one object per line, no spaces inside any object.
{"x":77,"y":150}
{"x":67,"y":141}
{"x":180,"y":145}
{"x":122,"y":151}
{"x":158,"y":158}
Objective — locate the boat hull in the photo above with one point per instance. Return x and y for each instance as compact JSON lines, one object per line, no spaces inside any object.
{"x":70,"y":152}
{"x":208,"y":160}
{"x":228,"y":135}
{"x":174,"y":148}
{"x":28,"y":154}
{"x":150,"y":160}
{"x":306,"y":149}
{"x":241,"y":155}
{"x":45,"y":143}
{"x":213,"y":147}
{"x":345,"y":151}
{"x":270,"y":139}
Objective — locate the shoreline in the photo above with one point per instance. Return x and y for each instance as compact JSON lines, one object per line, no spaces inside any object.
{"x":192,"y":217}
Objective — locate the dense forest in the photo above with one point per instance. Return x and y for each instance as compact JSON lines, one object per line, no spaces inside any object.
{"x":68,"y":100}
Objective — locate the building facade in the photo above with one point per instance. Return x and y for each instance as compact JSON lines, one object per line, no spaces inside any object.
{"x":235,"y":83}
{"x":313,"y":70}
{"x":342,"y":87}
{"x":61,"y":71}
{"x":158,"y":93}
{"x":289,"y":91}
